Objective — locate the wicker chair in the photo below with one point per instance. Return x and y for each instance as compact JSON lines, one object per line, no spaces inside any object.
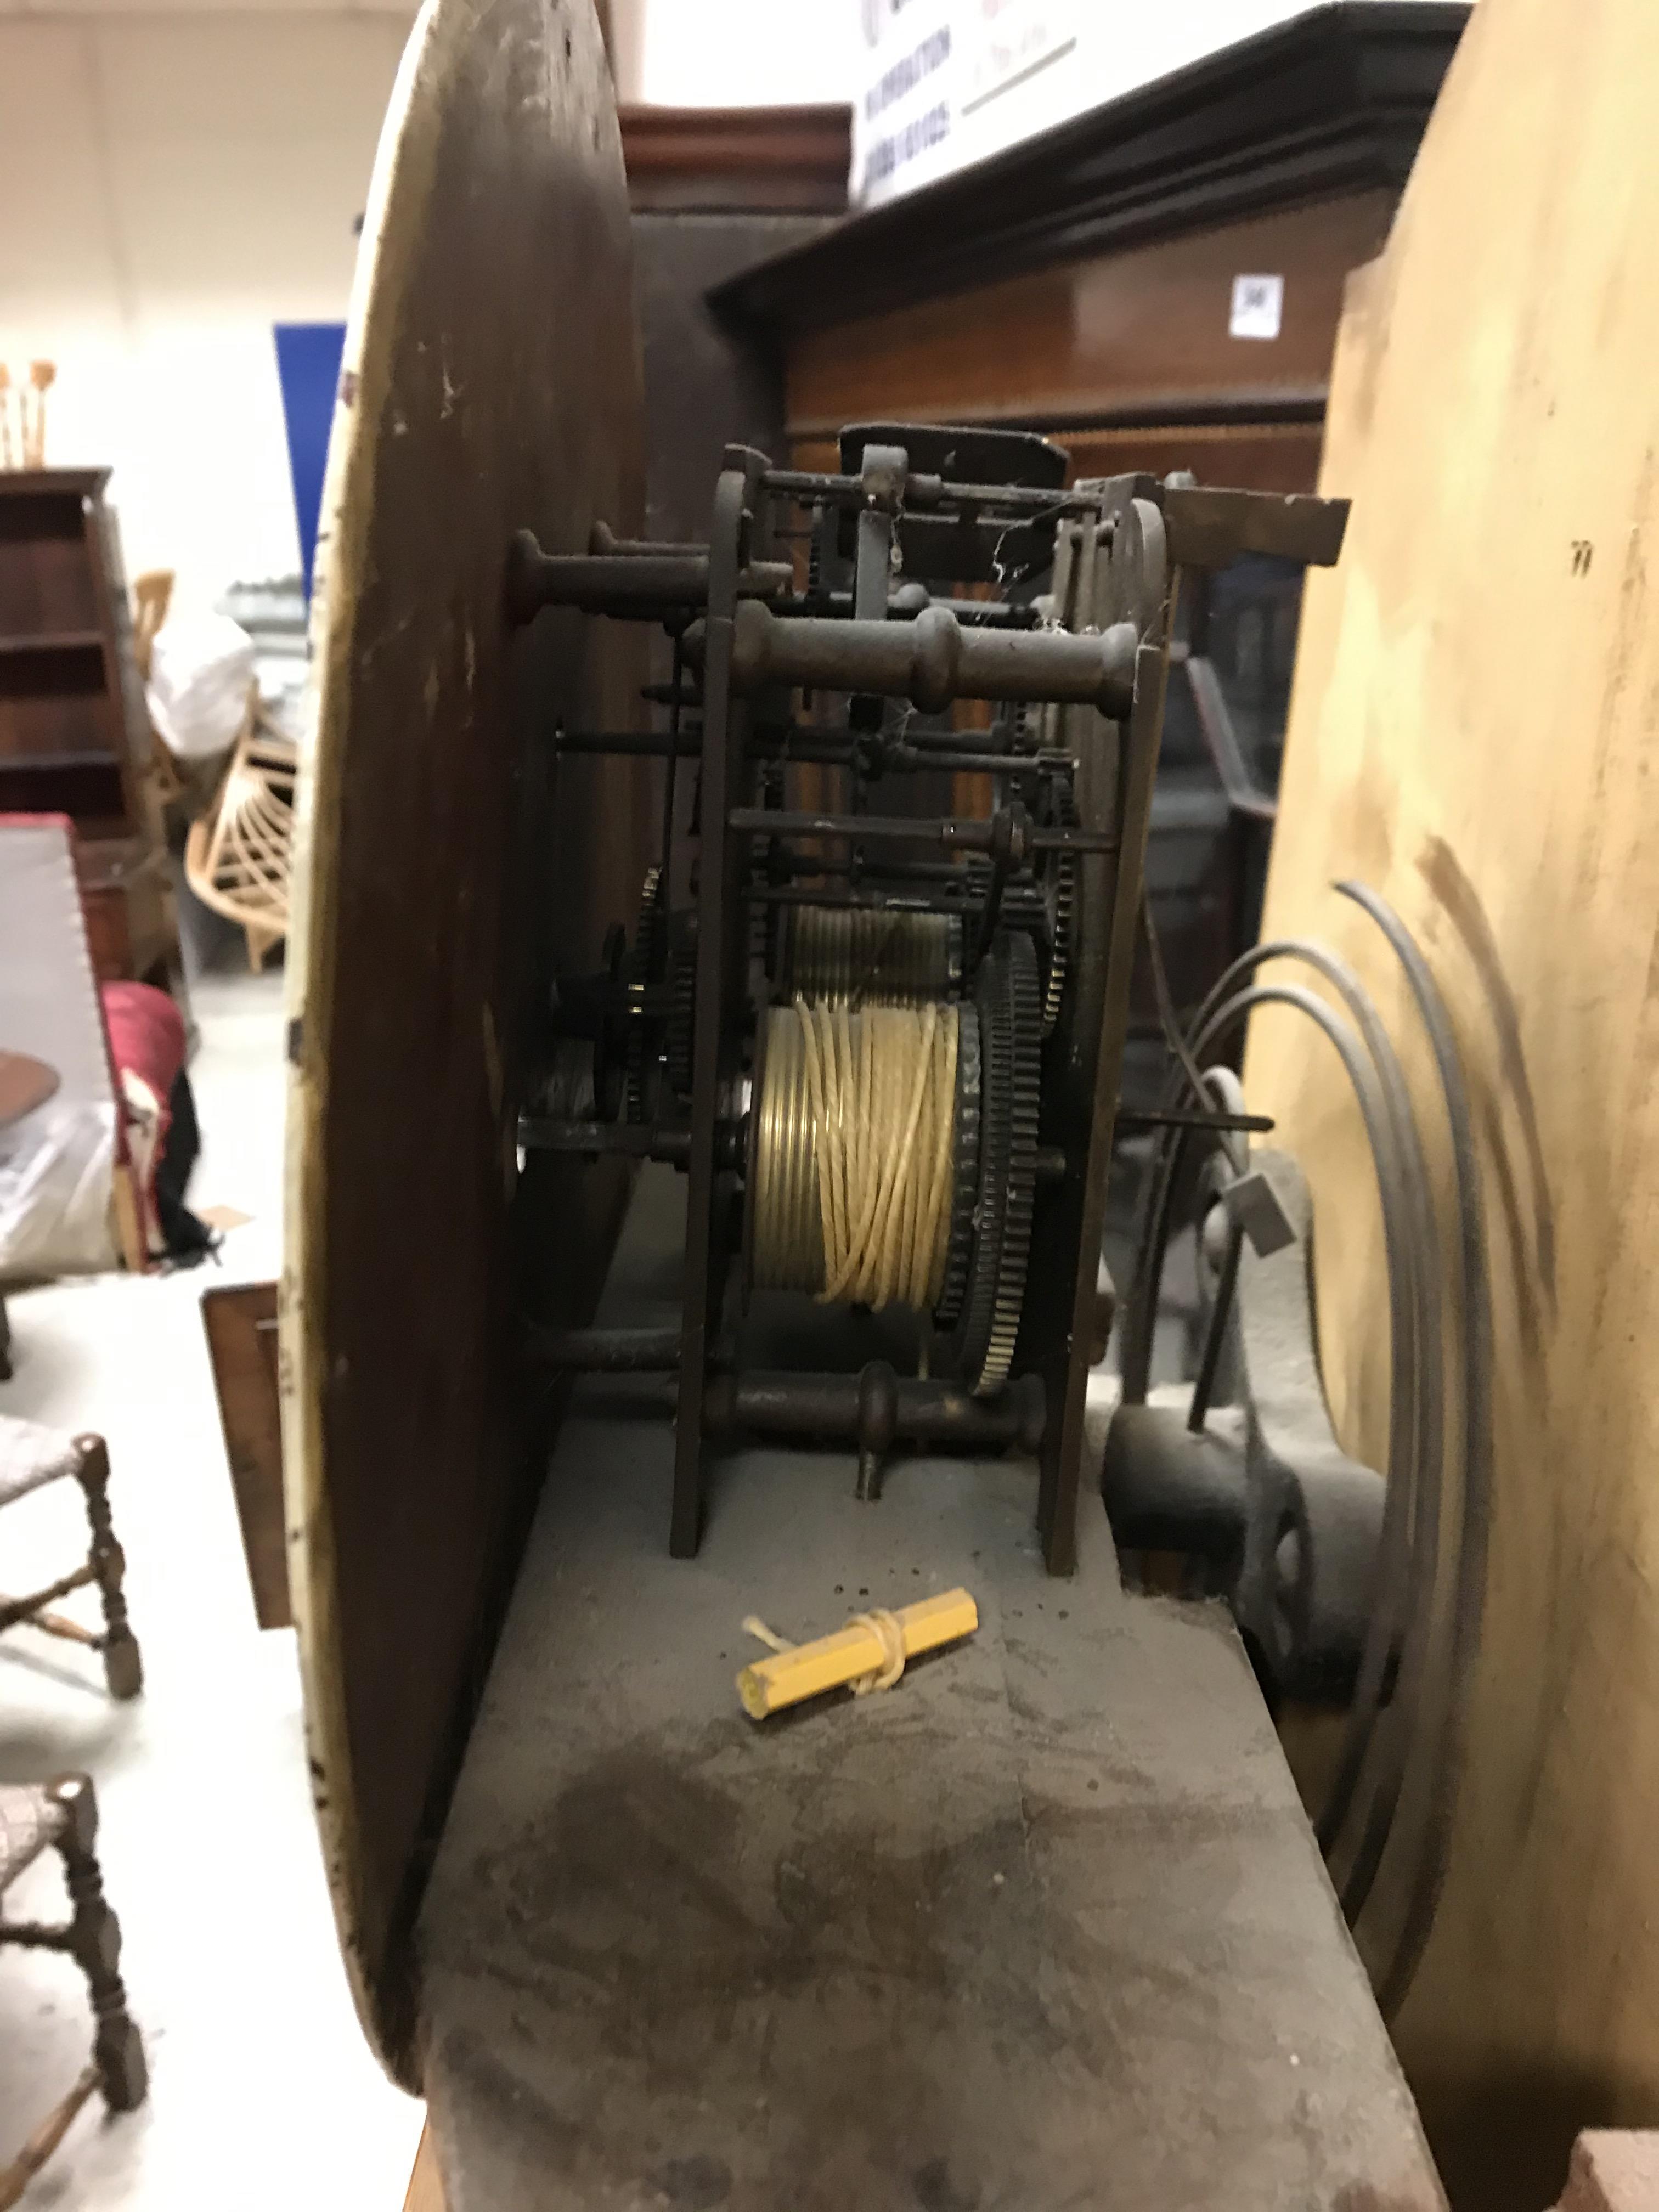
{"x":62,"y":1816}
{"x":239,"y":856}
{"x":30,"y":1457}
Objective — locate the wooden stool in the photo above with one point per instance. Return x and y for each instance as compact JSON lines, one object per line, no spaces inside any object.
{"x":30,"y":1457}
{"x":63,"y":1815}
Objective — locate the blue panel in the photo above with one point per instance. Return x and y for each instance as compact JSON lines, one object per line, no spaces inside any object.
{"x":308,"y":366}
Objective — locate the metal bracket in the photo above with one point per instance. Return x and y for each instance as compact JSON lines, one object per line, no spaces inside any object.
{"x":1289,"y":1526}
{"x":1254,"y":1207}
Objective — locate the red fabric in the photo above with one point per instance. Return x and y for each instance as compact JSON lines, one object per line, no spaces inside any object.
{"x":146,"y":1033}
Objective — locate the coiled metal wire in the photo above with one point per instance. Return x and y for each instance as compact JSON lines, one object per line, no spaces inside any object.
{"x":1427,"y":1620}
{"x":865,"y":957}
{"x":788,"y":1227}
{"x":854,"y":1144}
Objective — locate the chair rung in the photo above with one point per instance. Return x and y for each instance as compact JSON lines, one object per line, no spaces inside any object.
{"x":37,"y":1935}
{"x":14,"y":1611}
{"x":15,"y":2178}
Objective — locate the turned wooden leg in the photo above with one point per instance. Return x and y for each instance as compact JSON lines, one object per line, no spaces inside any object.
{"x":123,"y":1667}
{"x":94,"y":1939}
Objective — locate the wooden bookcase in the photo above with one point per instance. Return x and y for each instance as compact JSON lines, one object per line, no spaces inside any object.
{"x":74,"y":735}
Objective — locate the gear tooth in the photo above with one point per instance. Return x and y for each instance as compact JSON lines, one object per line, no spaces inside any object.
{"x":760,"y":927}
{"x":1060,"y":953}
{"x":1045,"y":910}
{"x":682,"y":1020}
{"x":1060,"y":947}
{"x":1008,"y":1007}
{"x":645,"y":965}
{"x":1025,"y":1098}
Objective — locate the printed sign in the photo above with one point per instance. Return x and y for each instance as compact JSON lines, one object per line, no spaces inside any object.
{"x":1258,"y":307}
{"x":1006,"y":41}
{"x":941,"y":83}
{"x":902,"y":118}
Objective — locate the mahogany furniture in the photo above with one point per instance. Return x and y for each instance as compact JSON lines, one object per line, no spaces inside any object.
{"x":240,"y":1320}
{"x":74,"y":735}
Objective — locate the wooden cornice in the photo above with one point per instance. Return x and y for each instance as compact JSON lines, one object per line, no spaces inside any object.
{"x":1334,"y":101}
{"x":759,"y":159}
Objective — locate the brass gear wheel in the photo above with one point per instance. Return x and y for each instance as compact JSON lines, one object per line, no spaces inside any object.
{"x":1063,"y":917}
{"x":1021,"y":1014}
{"x":964,"y":1201}
{"x":1007,"y":1000}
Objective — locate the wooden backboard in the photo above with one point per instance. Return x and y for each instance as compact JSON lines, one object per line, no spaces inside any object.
{"x":1472,"y":734}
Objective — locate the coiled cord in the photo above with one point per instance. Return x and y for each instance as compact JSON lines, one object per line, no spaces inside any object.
{"x":854,"y":1152}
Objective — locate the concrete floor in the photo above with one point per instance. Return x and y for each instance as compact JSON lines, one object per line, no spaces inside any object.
{"x":263,"y":2092}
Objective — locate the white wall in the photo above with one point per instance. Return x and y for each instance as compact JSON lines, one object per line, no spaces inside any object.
{"x":172,"y":185}
{"x":742,"y":53}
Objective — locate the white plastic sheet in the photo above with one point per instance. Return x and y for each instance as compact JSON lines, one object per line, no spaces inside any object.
{"x":57,"y":1163}
{"x":201,"y":667}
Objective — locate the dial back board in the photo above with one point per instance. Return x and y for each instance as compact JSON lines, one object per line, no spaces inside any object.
{"x":445,"y":867}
